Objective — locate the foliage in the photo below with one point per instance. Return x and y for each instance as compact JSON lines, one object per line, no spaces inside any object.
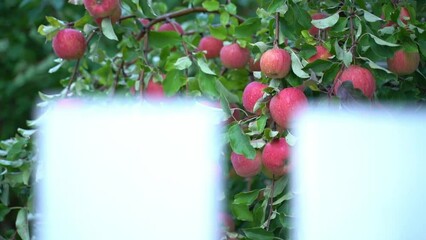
{"x":122,"y":58}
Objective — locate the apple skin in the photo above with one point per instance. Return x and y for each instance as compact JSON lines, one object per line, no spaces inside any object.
{"x":275,"y":63}
{"x":254,"y":66}
{"x":101,"y":8}
{"x":245,"y":167}
{"x":251,"y":94}
{"x":171,"y":27}
{"x":314,"y":31}
{"x":211,"y":45}
{"x":404,"y":63}
{"x":234,"y":57}
{"x":275,"y":156}
{"x":116,"y":15}
{"x":154,"y":90}
{"x":286,"y":104}
{"x":69,"y":44}
{"x":322,"y":53}
{"x":360,"y":77}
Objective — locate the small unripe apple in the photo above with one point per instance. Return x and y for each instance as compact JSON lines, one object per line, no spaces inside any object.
{"x":69,"y":44}
{"x":275,"y":157}
{"x":233,"y":56}
{"x":314,"y":31}
{"x":322,"y":53}
{"x":275,"y":63}
{"x":251,"y":94}
{"x":245,"y":167}
{"x":286,"y":104}
{"x":116,"y":15}
{"x":211,"y":45}
{"x":101,"y":8}
{"x":171,"y":27}
{"x":360,"y":77}
{"x":254,"y":65}
{"x":404,"y":63}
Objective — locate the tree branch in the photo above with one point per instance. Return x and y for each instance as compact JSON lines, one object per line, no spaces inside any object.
{"x":277,"y":30}
{"x":176,"y":14}
{"x":271,"y":202}
{"x":73,"y":76}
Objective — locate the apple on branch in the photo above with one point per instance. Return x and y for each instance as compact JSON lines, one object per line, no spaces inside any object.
{"x":101,"y":8}
{"x":404,"y":62}
{"x":275,"y":63}
{"x":234,"y":57}
{"x":275,"y":157}
{"x":171,"y":27}
{"x":211,"y":45}
{"x":286,"y":104}
{"x":322,"y":53}
{"x":69,"y":44}
{"x":251,"y":94}
{"x":360,"y":77}
{"x":245,"y":167}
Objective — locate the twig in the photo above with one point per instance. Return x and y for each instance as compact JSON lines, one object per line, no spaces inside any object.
{"x":176,"y":14}
{"x":126,"y":17}
{"x":271,"y":202}
{"x":277,"y":30}
{"x":117,"y":77}
{"x":73,"y":76}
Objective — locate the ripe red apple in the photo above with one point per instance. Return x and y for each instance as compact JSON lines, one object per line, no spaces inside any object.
{"x":251,"y":94}
{"x":286,"y":104}
{"x":254,"y":65}
{"x":245,"y":167}
{"x":275,"y":63}
{"x":101,"y":8}
{"x":154,"y":90}
{"x":322,"y":53}
{"x":211,"y":45}
{"x":314,"y":31}
{"x":275,"y":157}
{"x":116,"y":15}
{"x":360,"y":77}
{"x":171,"y":27}
{"x":234,"y":56}
{"x":404,"y":63}
{"x":69,"y":44}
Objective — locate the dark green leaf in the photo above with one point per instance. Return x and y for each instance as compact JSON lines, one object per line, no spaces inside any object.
{"x":211,"y":5}
{"x":173,"y":82}
{"x":258,"y":234}
{"x":326,"y":22}
{"x":163,"y":39}
{"x":248,"y":28}
{"x":4,"y":210}
{"x":204,"y":67}
{"x":219,"y":32}
{"x":22,"y":224}
{"x":207,"y":84}
{"x":242,"y":212}
{"x":319,"y":65}
{"x":246,"y":198}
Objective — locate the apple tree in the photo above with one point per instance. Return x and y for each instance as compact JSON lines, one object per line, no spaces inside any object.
{"x":260,"y":67}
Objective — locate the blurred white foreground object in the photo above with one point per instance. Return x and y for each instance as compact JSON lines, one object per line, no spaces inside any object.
{"x":360,"y":175}
{"x":129,"y":171}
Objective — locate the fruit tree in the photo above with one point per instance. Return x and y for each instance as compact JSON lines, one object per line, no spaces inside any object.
{"x":261,"y":67}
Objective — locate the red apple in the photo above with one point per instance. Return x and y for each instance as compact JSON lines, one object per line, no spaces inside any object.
{"x":171,"y":27}
{"x":234,"y":56}
{"x":404,"y":63}
{"x":154,"y":90}
{"x":227,"y":221}
{"x":275,"y":157}
{"x":245,"y":167}
{"x":322,"y":53}
{"x":251,"y":94}
{"x":211,"y":45}
{"x":360,"y":77}
{"x":254,"y":65}
{"x":286,"y":104}
{"x":101,"y":8}
{"x":116,"y":15}
{"x":314,"y":31}
{"x":275,"y":63}
{"x":69,"y":44}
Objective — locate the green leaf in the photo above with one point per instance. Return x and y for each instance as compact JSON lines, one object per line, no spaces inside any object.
{"x":146,"y":8}
{"x":240,"y":143}
{"x":248,"y":28}
{"x":48,"y":31}
{"x":382,"y":42}
{"x":296,"y":66}
{"x":326,"y":22}
{"x":163,"y":39}
{"x":319,"y":65}
{"x":207,"y":84}
{"x":219,"y":32}
{"x":211,"y":5}
{"x":183,"y":63}
{"x":224,"y":18}
{"x":369,"y":17}
{"x":285,"y":197}
{"x":342,"y":54}
{"x":242,"y":212}
{"x":231,"y":8}
{"x":4,"y":210}
{"x":14,"y":164}
{"x":204,"y":67}
{"x":173,"y":82}
{"x":56,"y":68}
{"x":374,"y":65}
{"x":246,"y":198}
{"x":258,"y":234}
{"x":55,"y":22}
{"x":330,"y":74}
{"x":108,"y":30}
{"x":22,"y":224}
{"x":228,"y":95}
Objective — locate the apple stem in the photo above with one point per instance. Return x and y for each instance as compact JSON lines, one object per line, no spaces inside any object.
{"x":277,"y":30}
{"x":180,"y":13}
{"x":271,"y":202}
{"x":73,"y":76}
